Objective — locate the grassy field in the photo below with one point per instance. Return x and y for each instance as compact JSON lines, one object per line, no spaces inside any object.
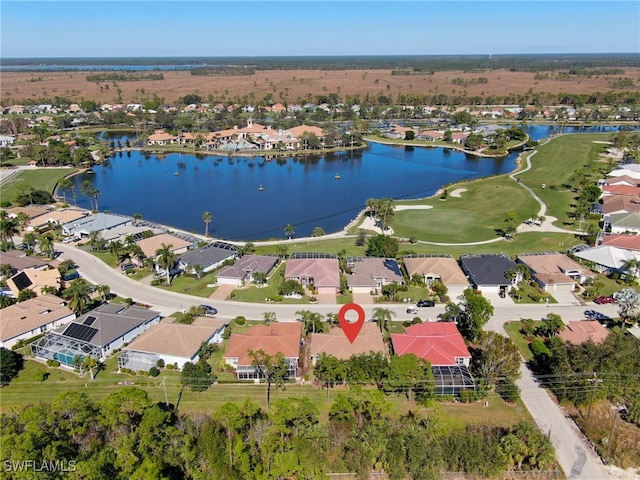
{"x":556,"y":163}
{"x":39,"y":179}
{"x":27,"y":389}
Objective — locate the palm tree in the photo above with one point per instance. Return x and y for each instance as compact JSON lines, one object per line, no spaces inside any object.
{"x":311,"y":321}
{"x":165,"y":258}
{"x":22,"y":220}
{"x":631,"y":266}
{"x":45,"y":245}
{"x":78,"y":295}
{"x":206,"y":217}
{"x":137,"y":217}
{"x":104,"y":291}
{"x":8,"y":227}
{"x":29,"y":239}
{"x":198,"y":270}
{"x":332,"y":319}
{"x":116,"y":248}
{"x":289,"y":231}
{"x":89,"y":363}
{"x":64,"y":185}
{"x":6,"y":270}
{"x":382,"y":317}
{"x":95,"y":240}
{"x":269,"y":317}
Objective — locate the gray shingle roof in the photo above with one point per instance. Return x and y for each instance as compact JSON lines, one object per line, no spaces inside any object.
{"x":487,"y":269}
{"x":209,"y":255}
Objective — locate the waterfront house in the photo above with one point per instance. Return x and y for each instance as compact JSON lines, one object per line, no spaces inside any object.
{"x":99,"y":222}
{"x":208,"y":257}
{"x":245,"y":268}
{"x":314,"y":270}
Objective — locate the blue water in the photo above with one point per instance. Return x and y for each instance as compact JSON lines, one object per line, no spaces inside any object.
{"x":298,"y":191}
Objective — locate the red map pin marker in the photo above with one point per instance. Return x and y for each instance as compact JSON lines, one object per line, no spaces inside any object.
{"x":351,"y":329}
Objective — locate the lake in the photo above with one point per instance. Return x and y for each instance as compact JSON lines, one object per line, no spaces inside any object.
{"x":175,"y":190}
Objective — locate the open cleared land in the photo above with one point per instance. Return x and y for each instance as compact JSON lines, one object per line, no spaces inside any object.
{"x":40,"y":179}
{"x":300,"y":85}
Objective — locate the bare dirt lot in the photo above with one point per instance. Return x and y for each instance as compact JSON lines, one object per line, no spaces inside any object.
{"x":299,"y":85}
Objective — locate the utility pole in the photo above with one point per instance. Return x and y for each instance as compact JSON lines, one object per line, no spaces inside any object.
{"x":618,"y":408}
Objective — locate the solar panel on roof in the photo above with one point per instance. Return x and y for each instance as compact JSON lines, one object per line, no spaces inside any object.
{"x":21,"y":281}
{"x":89,"y":320}
{"x":80,"y":332}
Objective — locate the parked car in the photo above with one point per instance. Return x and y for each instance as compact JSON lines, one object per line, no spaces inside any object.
{"x":127,"y":266}
{"x":412,"y":310}
{"x":426,"y":303}
{"x":208,"y":310}
{"x":595,"y":315}
{"x":604,"y":300}
{"x":70,"y":276}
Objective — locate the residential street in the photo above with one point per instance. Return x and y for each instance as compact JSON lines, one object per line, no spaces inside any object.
{"x":574,"y":455}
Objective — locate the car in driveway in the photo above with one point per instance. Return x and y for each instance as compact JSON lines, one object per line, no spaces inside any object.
{"x":208,"y":310}
{"x":426,"y":303}
{"x":603,"y":300}
{"x":127,"y":266}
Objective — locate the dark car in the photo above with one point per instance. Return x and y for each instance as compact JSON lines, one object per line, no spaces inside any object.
{"x":426,"y":303}
{"x":208,"y":310}
{"x":127,"y":266}
{"x":71,"y":276}
{"x":604,"y":300}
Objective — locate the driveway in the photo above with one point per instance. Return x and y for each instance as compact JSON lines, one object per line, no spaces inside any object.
{"x":222,"y":292}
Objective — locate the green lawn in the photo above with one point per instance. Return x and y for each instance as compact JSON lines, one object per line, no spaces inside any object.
{"x":26,"y":389}
{"x":190,"y":284}
{"x":40,"y":179}
{"x":513,"y":330}
{"x":478,"y":214}
{"x":555,"y":164}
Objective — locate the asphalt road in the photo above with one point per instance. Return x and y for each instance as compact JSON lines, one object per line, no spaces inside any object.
{"x":577,"y":459}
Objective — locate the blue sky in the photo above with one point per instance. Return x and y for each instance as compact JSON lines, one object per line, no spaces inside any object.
{"x":261,"y":28}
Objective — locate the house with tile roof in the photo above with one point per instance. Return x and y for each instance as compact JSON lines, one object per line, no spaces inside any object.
{"x":96,"y":333}
{"x":580,"y":331}
{"x":620,"y":204}
{"x":336,"y":344}
{"x":317,"y":270}
{"x":625,"y":190}
{"x":284,"y":338}
{"x":32,"y":317}
{"x":555,"y":272}
{"x":490,"y":272}
{"x":19,"y":260}
{"x":438,"y":342}
{"x":174,"y":343}
{"x":151,"y":245}
{"x":628,"y":242}
{"x":245,"y":268}
{"x":442,"y":268}
{"x":371,"y":273}
{"x":160,"y":137}
{"x":55,"y":217}
{"x":31,"y":210}
{"x":34,"y":279}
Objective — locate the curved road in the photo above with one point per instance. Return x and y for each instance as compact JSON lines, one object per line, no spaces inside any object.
{"x":577,"y":459}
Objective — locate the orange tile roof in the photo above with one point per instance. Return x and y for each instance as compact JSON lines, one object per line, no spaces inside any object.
{"x":579,"y":331}
{"x":440,"y":343}
{"x":274,"y":338}
{"x":335,"y":342}
{"x":629,"y":242}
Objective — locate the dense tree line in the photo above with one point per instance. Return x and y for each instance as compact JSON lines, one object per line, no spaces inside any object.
{"x":582,"y":373}
{"x":127,"y":436}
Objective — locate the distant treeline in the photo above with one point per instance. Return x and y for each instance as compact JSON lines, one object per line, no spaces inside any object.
{"x":422,"y":63}
{"x":226,"y":70}
{"x":124,"y":77}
